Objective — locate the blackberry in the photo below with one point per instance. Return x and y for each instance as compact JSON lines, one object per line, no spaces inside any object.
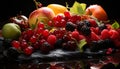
{"x":45,"y":47}
{"x":70,"y":26}
{"x":79,"y":25}
{"x":102,"y":26}
{"x":85,"y":30}
{"x":58,"y":43}
{"x":97,"y":45}
{"x":108,"y":43}
{"x":87,"y":23}
{"x":69,"y":45}
{"x":94,"y":46}
{"x":12,"y":53}
{"x":101,"y":43}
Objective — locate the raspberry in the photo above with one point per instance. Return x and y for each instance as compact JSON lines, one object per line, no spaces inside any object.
{"x":95,"y":30}
{"x":109,"y":26}
{"x":105,"y":34}
{"x":113,"y":34}
{"x":75,"y":34}
{"x":94,"y":37}
{"x":51,"y":39}
{"x":92,"y":23}
{"x":81,"y":37}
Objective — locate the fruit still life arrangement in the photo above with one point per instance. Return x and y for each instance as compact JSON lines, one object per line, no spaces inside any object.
{"x":55,"y":29}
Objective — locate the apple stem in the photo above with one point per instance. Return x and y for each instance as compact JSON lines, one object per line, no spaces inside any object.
{"x":67,"y":6}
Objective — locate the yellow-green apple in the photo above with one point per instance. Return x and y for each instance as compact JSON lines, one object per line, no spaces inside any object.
{"x":11,"y":31}
{"x":43,"y":14}
{"x":97,"y":11}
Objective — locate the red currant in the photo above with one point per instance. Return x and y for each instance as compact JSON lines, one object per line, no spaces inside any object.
{"x":51,"y":39}
{"x":40,"y":25}
{"x":33,"y":39}
{"x":16,"y":44}
{"x":28,"y":50}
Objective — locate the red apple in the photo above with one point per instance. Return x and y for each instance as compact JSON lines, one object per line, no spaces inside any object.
{"x":97,"y":11}
{"x":43,"y":14}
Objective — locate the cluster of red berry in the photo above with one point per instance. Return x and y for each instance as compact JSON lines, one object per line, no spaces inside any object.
{"x":67,"y":30}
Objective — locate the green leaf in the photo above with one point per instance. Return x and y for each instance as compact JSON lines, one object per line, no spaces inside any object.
{"x":115,"y":25}
{"x":81,"y":44}
{"x":78,"y":8}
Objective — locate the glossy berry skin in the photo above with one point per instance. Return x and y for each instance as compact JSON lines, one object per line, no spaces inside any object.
{"x":69,"y":45}
{"x":33,"y":39}
{"x":45,"y":33}
{"x":70,"y":26}
{"x":28,"y":50}
{"x":16,"y":44}
{"x":105,"y":34}
{"x":67,"y":15}
{"x":45,"y":48}
{"x":114,"y":34}
{"x":75,"y":34}
{"x":85,"y":30}
{"x":93,"y":23}
{"x":51,"y":39}
{"x":23,"y":44}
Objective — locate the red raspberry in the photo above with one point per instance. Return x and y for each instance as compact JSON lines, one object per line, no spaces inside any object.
{"x":109,"y":26}
{"x":75,"y":34}
{"x":94,"y":37}
{"x":105,"y":34}
{"x":92,"y":23}
{"x":113,"y":34}
{"x":82,"y":37}
{"x":95,"y":30}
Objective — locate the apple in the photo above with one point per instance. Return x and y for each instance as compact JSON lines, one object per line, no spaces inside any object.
{"x":43,"y":14}
{"x":11,"y":31}
{"x":97,"y":11}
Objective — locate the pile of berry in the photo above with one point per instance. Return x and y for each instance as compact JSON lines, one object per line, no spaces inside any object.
{"x":66,"y":33}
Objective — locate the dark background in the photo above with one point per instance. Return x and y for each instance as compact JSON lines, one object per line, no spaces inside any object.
{"x":9,"y":8}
